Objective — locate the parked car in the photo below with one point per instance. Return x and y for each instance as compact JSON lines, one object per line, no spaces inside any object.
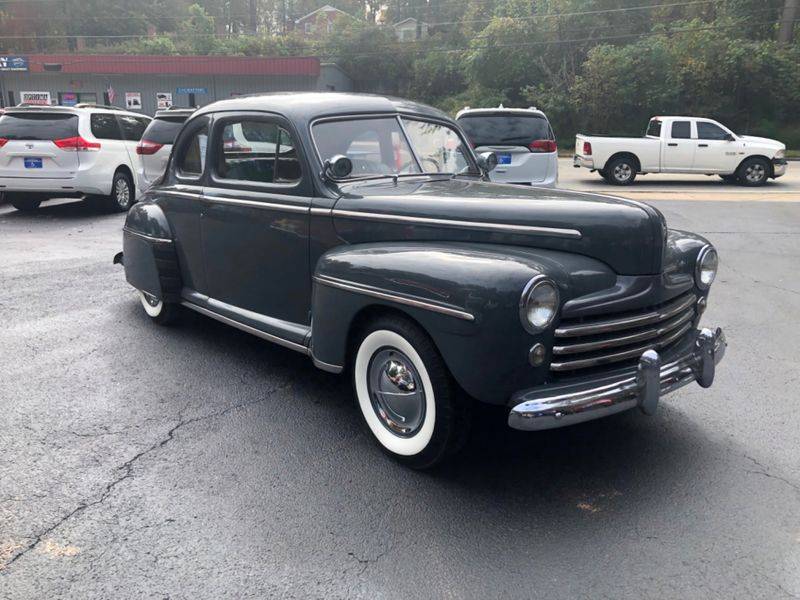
{"x":683,"y":145}
{"x":57,"y":151}
{"x":156,"y":144}
{"x":402,"y":264}
{"x":522,"y":139}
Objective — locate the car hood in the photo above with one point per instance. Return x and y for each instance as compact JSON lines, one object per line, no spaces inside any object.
{"x":760,"y":141}
{"x":628,"y":236}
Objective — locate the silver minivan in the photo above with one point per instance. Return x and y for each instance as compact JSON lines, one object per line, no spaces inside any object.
{"x":522,"y":139}
{"x":156,"y":144}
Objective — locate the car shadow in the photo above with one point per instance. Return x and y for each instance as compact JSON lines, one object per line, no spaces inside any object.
{"x":62,"y":208}
{"x":707,"y":183}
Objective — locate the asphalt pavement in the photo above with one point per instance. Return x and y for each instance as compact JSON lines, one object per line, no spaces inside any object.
{"x":199,"y":462}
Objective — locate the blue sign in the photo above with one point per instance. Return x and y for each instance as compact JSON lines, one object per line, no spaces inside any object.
{"x":13,"y":63}
{"x":196,"y":90}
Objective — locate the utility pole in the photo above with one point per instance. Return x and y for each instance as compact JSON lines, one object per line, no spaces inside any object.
{"x":790,"y":12}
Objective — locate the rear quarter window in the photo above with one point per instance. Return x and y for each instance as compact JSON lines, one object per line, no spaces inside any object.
{"x":105,"y":127}
{"x":41,"y":126}
{"x":163,"y":131}
{"x":505,"y":130}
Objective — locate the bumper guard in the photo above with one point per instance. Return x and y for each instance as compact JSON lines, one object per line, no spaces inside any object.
{"x":537,"y":409}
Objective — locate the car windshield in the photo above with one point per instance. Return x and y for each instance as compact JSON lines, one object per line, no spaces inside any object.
{"x":385,"y":146}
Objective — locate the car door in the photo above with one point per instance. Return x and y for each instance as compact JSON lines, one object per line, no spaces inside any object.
{"x":678,"y":148}
{"x":716,"y":151}
{"x":132,"y":130}
{"x":181,"y":196}
{"x":113,"y":153}
{"x":256,"y":225}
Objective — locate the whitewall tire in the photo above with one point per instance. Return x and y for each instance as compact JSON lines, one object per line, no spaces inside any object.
{"x":406,"y":394}
{"x":159,"y":311}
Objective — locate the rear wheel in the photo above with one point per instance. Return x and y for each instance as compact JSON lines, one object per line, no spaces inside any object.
{"x":160,"y":312}
{"x":122,"y":192}
{"x":406,"y":395}
{"x":24,"y":202}
{"x":753,"y":172}
{"x":621,"y":171}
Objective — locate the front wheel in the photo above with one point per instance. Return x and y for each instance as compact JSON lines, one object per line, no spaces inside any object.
{"x":406,"y":394}
{"x":621,"y":171}
{"x":160,"y":312}
{"x":753,"y":172}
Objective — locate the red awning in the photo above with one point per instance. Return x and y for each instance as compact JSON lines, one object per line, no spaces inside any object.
{"x":111,"y":64}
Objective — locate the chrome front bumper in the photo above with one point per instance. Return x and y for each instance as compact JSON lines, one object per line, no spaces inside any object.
{"x":546,"y":408}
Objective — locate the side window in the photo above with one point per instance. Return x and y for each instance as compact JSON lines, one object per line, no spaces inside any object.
{"x":132,"y":127}
{"x":192,"y":155}
{"x":654,"y":128}
{"x":287,"y":165}
{"x":105,"y":127}
{"x":681,"y":130}
{"x":709,"y":131}
{"x":257,"y":151}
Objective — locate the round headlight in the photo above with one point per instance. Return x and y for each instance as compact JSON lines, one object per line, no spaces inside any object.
{"x":706,"y":270}
{"x":538,"y":304}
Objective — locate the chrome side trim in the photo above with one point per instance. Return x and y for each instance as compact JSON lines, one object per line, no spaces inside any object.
{"x":190,"y":195}
{"x":504,"y":227}
{"x":257,"y":204}
{"x":359,"y":288}
{"x":622,"y":340}
{"x":246,"y":328}
{"x":666,"y":312}
{"x":336,"y":369}
{"x":321,"y":211}
{"x":569,"y":365}
{"x":145,"y":236}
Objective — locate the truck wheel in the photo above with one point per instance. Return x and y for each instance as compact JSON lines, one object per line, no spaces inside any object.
{"x":729,"y":178}
{"x":122,"y":193}
{"x":621,"y":171}
{"x":406,"y":394}
{"x":24,"y":202}
{"x":753,"y":172}
{"x":160,"y":312}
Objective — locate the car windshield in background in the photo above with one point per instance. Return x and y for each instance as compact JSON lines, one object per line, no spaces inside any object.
{"x":654,"y":128}
{"x":505,"y":129}
{"x":39,"y":126}
{"x":163,"y":131}
{"x":379,"y":146}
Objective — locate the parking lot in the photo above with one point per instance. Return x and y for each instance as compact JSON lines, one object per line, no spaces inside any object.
{"x":140,"y":461}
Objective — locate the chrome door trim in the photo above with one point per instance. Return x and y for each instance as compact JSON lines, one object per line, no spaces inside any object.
{"x":257,"y":204}
{"x":190,"y":195}
{"x":150,"y":238}
{"x":246,"y":328}
{"x":504,"y":227}
{"x":359,"y":288}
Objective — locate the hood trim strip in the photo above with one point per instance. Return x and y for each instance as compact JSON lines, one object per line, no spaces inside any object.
{"x":504,"y":227}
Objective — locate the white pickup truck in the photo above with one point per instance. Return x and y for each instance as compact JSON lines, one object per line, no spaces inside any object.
{"x":682,"y":145}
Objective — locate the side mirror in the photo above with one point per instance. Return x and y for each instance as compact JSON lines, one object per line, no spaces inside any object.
{"x":729,"y":137}
{"x":487,"y":161}
{"x":337,"y":167}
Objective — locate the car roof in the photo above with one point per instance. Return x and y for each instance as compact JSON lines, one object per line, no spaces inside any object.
{"x":307,"y":106}
{"x":500,"y":110}
{"x":75,"y":110}
{"x":174,"y":112}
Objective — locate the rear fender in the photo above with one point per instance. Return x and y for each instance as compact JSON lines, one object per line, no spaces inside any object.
{"x":151,"y":264}
{"x":465,"y":296}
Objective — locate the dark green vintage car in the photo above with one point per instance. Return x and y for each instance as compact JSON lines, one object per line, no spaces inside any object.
{"x":361,"y":231}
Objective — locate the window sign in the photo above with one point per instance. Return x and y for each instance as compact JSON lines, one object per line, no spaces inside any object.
{"x":192,"y":90}
{"x":67,"y":98}
{"x":163,"y":100}
{"x":133,"y":100}
{"x":42,"y":98}
{"x":13,"y":63}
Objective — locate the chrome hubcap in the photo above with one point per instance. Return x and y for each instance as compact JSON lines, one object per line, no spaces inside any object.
{"x":622,"y":172}
{"x":755,"y":173}
{"x":151,"y":300}
{"x":397,"y":396}
{"x":122,"y":193}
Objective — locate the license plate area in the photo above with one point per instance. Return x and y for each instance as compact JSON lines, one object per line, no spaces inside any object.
{"x":32,"y":163}
{"x":504,"y":159}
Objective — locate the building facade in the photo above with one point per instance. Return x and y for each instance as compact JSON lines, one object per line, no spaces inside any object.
{"x":146,"y":83}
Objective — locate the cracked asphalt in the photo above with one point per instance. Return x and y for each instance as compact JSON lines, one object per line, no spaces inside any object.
{"x":200,"y":462}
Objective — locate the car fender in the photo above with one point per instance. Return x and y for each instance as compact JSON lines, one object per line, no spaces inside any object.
{"x":150,"y":260}
{"x":465,"y":296}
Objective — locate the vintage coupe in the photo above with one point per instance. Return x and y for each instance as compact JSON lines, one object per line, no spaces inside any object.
{"x":361,"y":231}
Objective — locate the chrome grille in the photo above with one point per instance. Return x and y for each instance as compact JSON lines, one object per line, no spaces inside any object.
{"x":585,"y":343}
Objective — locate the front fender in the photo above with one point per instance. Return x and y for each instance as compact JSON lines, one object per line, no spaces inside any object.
{"x":465,"y":296}
{"x":151,"y":263}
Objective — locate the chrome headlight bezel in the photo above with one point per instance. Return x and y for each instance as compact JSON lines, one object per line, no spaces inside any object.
{"x":533,"y":290}
{"x":707,"y":252}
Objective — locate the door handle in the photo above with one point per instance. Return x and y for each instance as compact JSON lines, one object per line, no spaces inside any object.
{"x":702,"y":145}
{"x":672,"y":144}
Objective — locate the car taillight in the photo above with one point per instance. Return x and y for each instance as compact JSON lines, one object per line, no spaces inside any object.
{"x":587,"y":149}
{"x":77,"y":144}
{"x":147,"y":147}
{"x":3,"y":142}
{"x":543,"y":146}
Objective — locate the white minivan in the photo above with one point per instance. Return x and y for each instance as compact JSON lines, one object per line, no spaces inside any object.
{"x":521,"y":138}
{"x":156,"y":145}
{"x":57,"y":151}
